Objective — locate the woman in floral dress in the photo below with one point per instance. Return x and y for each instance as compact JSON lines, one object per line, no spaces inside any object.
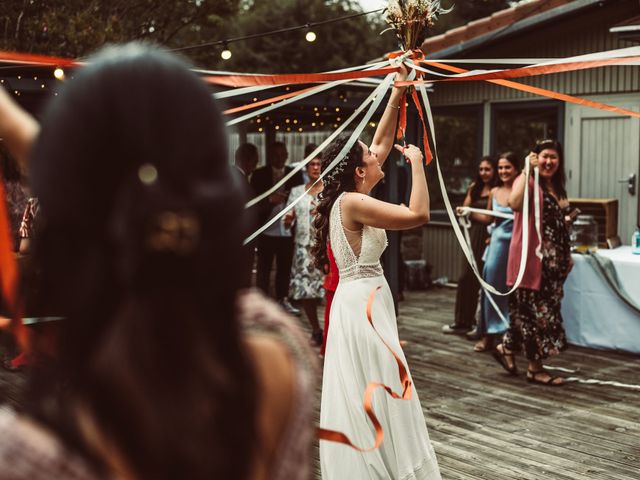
{"x":306,"y":284}
{"x":536,"y":321}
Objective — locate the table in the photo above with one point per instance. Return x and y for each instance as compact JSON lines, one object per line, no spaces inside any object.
{"x":594,"y":316}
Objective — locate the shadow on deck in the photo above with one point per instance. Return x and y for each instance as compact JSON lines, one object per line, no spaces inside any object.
{"x":485,"y":424}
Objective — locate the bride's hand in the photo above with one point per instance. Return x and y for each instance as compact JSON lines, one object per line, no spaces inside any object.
{"x":410,"y":152}
{"x":403,"y":73}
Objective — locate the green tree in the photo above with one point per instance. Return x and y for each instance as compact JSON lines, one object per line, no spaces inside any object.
{"x":75,"y":28}
{"x":342,"y":44}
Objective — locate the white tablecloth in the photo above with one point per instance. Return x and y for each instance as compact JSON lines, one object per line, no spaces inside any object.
{"x":594,"y":316}
{"x":628,"y":268}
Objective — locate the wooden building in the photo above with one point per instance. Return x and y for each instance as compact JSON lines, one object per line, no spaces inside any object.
{"x":602,"y":149}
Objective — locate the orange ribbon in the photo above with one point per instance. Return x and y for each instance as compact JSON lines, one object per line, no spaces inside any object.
{"x":535,"y":70}
{"x":9,"y":272}
{"x":416,"y":55}
{"x":249,"y":106}
{"x":294,"y":78}
{"x":541,"y":92}
{"x":29,"y":58}
{"x":339,"y":437}
{"x":425,"y":139}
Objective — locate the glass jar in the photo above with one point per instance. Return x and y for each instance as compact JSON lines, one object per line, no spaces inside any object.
{"x":584,"y":234}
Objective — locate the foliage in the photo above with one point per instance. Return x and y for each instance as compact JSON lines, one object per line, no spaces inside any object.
{"x":75,"y":28}
{"x":341,"y":44}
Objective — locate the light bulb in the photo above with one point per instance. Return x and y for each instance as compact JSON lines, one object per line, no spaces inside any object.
{"x":310,"y":36}
{"x":226,"y":54}
{"x":58,"y":73}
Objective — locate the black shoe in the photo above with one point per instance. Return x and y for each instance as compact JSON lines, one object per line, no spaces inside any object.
{"x":454,"y":329}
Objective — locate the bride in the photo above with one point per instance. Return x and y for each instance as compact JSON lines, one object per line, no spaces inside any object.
{"x":354,"y":224}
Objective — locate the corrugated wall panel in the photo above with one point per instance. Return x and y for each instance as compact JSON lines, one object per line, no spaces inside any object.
{"x":609,"y":156}
{"x":584,"y":33}
{"x":442,"y":252}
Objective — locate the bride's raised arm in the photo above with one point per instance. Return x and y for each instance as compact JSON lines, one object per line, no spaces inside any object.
{"x":384,"y":137}
{"x":360,"y":209}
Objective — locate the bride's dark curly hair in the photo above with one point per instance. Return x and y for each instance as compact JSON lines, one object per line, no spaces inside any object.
{"x":341,"y":181}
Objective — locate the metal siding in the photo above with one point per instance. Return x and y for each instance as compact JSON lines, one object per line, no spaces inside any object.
{"x":442,"y":252}
{"x":607,"y":156}
{"x":588,"y":33}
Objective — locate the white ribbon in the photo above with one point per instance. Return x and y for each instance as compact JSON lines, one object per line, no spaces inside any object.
{"x":456,"y":228}
{"x":315,"y":153}
{"x":606,"y":55}
{"x":590,"y":381}
{"x":378,"y":94}
{"x":466,"y":225}
{"x":257,"y":88}
{"x":465,"y":211}
{"x":327,"y":141}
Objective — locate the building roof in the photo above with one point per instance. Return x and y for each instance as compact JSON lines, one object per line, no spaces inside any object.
{"x":500,"y":24}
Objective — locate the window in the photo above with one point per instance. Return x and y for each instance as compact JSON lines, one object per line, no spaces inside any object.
{"x":459,"y":137}
{"x":517,"y":126}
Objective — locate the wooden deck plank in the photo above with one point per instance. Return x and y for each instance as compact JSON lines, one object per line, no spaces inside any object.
{"x":485,"y":424}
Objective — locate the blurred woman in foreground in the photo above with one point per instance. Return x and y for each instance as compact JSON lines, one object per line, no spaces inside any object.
{"x":164,"y":368}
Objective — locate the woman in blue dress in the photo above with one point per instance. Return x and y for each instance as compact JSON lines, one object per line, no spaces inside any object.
{"x":494,"y":309}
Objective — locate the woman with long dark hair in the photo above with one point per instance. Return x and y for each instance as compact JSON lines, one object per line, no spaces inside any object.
{"x":468,"y":285}
{"x":163,"y":368}
{"x":494,"y":309}
{"x":534,"y":308}
{"x":354,"y":223}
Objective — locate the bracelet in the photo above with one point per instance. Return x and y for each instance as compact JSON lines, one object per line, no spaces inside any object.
{"x":393,"y":106}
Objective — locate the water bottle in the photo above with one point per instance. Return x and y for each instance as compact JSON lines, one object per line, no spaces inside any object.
{"x":635,"y":242}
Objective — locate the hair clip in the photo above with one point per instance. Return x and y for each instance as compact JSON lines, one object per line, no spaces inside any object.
{"x":174,"y":232}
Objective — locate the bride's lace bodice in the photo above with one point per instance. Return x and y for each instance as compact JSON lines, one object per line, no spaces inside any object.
{"x":351,"y":263}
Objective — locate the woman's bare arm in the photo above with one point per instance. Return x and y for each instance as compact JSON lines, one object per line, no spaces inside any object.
{"x":385,"y":133}
{"x":359,"y":209}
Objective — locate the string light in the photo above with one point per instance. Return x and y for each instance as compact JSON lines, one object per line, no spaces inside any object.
{"x":306,"y":26}
{"x":226,"y":53}
{"x":58,"y":73}
{"x":310,"y":36}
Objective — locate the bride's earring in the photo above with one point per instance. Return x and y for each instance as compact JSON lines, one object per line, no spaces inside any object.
{"x":363,"y":179}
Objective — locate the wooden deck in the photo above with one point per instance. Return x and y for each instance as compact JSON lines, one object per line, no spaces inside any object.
{"x":485,"y":424}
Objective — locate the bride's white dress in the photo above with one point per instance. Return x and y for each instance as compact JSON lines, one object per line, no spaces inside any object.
{"x":355,"y":356}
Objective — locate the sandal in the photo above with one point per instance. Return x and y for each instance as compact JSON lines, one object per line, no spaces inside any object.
{"x":502,"y":356}
{"x":485,"y":344}
{"x":532,"y":377}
